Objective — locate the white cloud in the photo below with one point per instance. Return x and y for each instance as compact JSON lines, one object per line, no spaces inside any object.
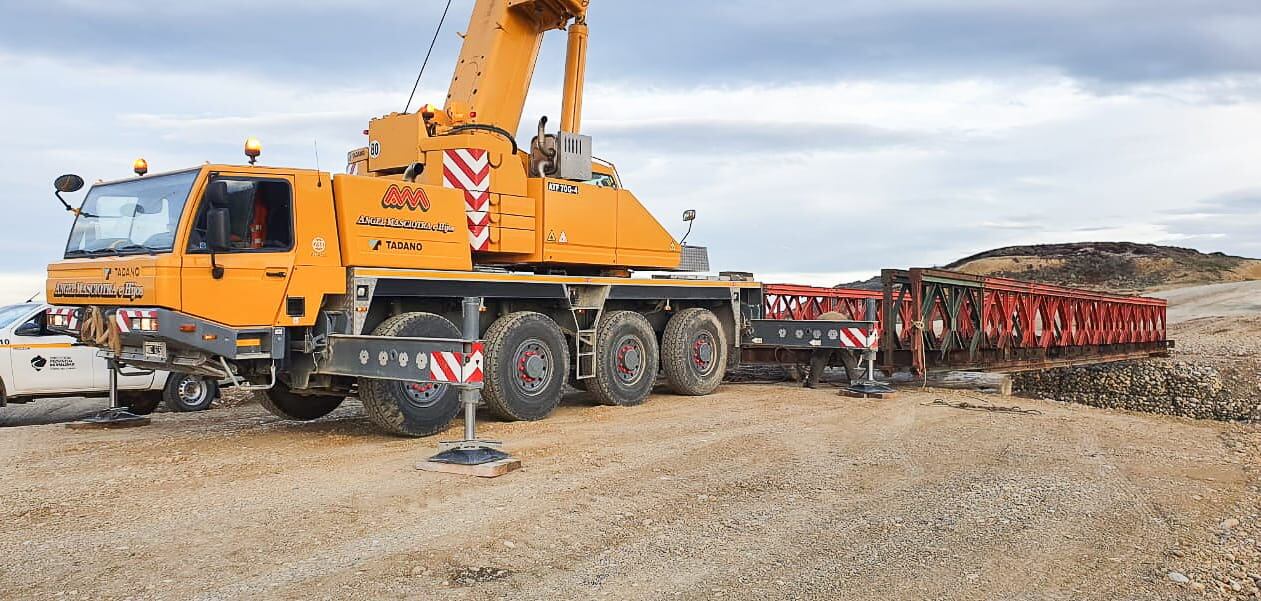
{"x":975,"y":106}
{"x":976,"y":163}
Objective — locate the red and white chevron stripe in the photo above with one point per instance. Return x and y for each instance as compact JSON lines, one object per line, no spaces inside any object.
{"x":64,"y":317}
{"x":477,"y":208}
{"x":473,"y":367}
{"x":479,"y":237}
{"x":468,"y":169}
{"x":445,"y":367}
{"x":857,"y":338}
{"x":137,"y":319}
{"x":456,"y":368}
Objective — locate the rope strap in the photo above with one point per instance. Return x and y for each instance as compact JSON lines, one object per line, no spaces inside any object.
{"x":99,"y":331}
{"x":966,"y":406}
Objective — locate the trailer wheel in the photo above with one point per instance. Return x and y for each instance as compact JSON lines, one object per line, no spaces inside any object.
{"x":411,"y":408}
{"x":283,"y":403}
{"x":626,"y":360}
{"x":189,"y":392}
{"x":527,"y":365}
{"x":694,"y":352}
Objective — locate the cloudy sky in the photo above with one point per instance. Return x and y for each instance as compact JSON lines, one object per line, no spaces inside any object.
{"x":819,"y":141}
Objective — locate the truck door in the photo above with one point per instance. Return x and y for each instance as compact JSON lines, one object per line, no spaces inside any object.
{"x":44,"y":363}
{"x":256,"y":271}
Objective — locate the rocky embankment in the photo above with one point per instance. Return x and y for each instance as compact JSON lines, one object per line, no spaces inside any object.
{"x":1166,"y":387}
{"x":1214,"y":373}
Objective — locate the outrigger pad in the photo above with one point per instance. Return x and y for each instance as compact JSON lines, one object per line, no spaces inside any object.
{"x":111,"y":419}
{"x":470,"y":456}
{"x":471,"y":460}
{"x":869,"y":387}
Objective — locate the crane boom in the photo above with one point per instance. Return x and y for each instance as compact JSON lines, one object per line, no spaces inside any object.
{"x":501,"y":47}
{"x":575,"y":78}
{"x":545,"y":205}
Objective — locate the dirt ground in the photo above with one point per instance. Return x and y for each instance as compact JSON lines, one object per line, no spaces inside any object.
{"x":758,"y":492}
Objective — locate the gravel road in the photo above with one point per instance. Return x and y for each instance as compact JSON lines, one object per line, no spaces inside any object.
{"x":1234,"y":299}
{"x":758,"y":492}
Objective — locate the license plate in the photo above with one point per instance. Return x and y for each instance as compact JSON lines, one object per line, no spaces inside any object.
{"x":155,"y":350}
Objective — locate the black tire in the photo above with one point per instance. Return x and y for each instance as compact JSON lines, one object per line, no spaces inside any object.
{"x":527,"y":365}
{"x":694,"y":352}
{"x":411,"y":408}
{"x":188,"y":392}
{"x":626,"y":360}
{"x":141,"y":403}
{"x":283,"y":403}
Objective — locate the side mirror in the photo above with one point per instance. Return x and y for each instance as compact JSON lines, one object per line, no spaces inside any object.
{"x":217,"y":230}
{"x":68,"y":183}
{"x":688,"y":217}
{"x":29,"y":328}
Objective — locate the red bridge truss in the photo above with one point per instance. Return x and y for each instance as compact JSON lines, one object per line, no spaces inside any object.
{"x":935,"y":319}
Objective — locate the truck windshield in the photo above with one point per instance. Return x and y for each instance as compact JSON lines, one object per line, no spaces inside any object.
{"x":12,"y":313}
{"x":136,"y":216}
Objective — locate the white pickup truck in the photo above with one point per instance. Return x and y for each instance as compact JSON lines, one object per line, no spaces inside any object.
{"x":36,"y":364}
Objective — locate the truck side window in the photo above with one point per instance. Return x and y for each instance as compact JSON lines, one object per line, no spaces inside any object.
{"x":260,"y":216}
{"x":33,"y":326}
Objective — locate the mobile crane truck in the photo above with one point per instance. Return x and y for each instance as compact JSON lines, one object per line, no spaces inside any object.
{"x":311,"y":288}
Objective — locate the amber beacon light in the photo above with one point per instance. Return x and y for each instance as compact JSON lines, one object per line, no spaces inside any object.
{"x":253,"y":148}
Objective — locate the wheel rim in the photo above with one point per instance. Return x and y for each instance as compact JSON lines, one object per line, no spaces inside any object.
{"x":629,"y":359}
{"x":704,"y":354}
{"x":423,"y":396}
{"x":534,"y":367}
{"x":192,"y":390}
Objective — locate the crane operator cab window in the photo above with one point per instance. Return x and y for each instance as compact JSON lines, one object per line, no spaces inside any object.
{"x":602,"y":180}
{"x":260,"y":215}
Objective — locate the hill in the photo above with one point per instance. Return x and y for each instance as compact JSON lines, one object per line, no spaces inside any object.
{"x":1111,"y":266}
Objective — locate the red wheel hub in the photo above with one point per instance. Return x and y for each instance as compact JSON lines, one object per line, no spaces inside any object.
{"x":702,"y":353}
{"x":624,"y":359}
{"x":523,"y":365}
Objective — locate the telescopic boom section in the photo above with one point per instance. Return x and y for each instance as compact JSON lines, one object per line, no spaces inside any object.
{"x":575,"y":77}
{"x":500,"y":50}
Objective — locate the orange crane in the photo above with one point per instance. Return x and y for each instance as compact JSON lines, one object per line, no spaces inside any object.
{"x":553,"y":206}
{"x":310,"y":288}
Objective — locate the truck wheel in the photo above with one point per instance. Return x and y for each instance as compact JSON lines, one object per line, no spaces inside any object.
{"x":694,"y":352}
{"x":527,"y":365}
{"x":411,"y":408}
{"x":283,"y":403}
{"x":141,"y":403}
{"x":626,"y":360}
{"x":189,"y":392}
